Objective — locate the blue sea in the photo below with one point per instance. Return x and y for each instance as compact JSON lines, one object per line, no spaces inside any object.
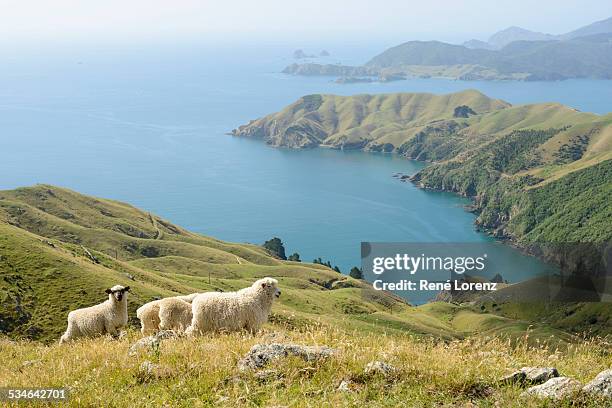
{"x":147,"y":125}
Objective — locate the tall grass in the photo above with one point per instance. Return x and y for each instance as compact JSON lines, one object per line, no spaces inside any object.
{"x":203,"y":371}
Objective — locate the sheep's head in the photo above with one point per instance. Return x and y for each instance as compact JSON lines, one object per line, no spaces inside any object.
{"x":269,"y":286}
{"x":118,"y":292}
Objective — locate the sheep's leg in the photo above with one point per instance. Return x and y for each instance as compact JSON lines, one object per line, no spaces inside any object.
{"x":250,"y":327}
{"x":165,"y":322}
{"x":71,"y":333}
{"x":111,"y":329}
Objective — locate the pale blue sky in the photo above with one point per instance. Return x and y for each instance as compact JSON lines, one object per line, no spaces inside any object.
{"x":394,"y":20}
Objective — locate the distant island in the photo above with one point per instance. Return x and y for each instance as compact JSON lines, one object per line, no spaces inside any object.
{"x":536,"y":173}
{"x":511,"y":54}
{"x":300,"y":54}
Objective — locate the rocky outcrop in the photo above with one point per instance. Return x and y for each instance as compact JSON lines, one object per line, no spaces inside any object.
{"x":151,"y":342}
{"x":262,"y":354}
{"x":556,"y":388}
{"x":601,"y":385}
{"x":379,"y":368}
{"x":530,"y":375}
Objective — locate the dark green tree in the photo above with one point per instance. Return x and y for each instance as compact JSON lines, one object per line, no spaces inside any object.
{"x":276,"y":247}
{"x":356,"y":273}
{"x":337,"y":269}
{"x":295,"y":257}
{"x":463,"y":111}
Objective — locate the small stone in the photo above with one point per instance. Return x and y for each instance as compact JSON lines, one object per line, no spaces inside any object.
{"x":345,"y":386}
{"x":556,"y":388}
{"x":517,"y":377}
{"x":148,"y":367}
{"x":538,"y":375}
{"x":601,"y":385}
{"x":267,"y":375}
{"x":262,"y":354}
{"x":379,"y":367}
{"x":28,"y":363}
{"x":149,"y":342}
{"x":530,"y":375}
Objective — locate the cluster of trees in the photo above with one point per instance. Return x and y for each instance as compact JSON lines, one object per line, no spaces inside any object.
{"x":276,"y":247}
{"x":327,"y":263}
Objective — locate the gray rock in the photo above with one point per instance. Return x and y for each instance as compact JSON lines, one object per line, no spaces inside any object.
{"x":556,"y":388}
{"x":517,"y":377}
{"x":538,"y":375}
{"x":379,"y":367}
{"x":148,"y":368}
{"x":30,"y":363}
{"x":262,"y":354}
{"x":267,"y":375}
{"x":345,"y":386}
{"x":530,"y":375}
{"x":601,"y":385}
{"x":151,"y":342}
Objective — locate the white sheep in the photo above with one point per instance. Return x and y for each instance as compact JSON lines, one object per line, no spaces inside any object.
{"x":247,"y":309}
{"x":176,"y":312}
{"x":105,"y":318}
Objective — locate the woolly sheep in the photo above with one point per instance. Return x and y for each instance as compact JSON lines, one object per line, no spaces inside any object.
{"x":105,"y":318}
{"x":174,"y":314}
{"x":177,"y":315}
{"x":232,"y":311}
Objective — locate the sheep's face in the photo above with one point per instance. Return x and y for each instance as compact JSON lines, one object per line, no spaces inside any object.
{"x":270,"y":286}
{"x":118,"y":292}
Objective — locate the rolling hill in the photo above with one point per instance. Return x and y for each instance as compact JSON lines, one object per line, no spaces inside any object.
{"x":60,"y":250}
{"x":517,"y":162}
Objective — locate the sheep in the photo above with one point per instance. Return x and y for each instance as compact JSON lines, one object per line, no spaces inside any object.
{"x":174,"y":314}
{"x":105,"y":318}
{"x":149,"y":314}
{"x":233,"y":311}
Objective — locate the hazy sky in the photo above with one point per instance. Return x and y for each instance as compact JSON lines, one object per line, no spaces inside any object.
{"x":397,"y":20}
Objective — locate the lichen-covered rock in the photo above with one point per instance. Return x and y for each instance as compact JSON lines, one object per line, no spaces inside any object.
{"x":517,"y":377}
{"x":147,"y":368}
{"x":556,"y":388}
{"x":601,"y":385}
{"x":262,"y":354}
{"x":346,"y":386}
{"x":151,"y":342}
{"x":379,"y":367}
{"x":530,"y":375}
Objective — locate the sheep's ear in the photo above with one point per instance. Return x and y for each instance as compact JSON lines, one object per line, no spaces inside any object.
{"x":127,"y":288}
{"x":108,"y":291}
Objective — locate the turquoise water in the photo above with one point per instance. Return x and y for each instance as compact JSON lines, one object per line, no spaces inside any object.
{"x":147,"y":126}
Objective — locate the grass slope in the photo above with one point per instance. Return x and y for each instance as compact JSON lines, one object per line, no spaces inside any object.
{"x":45,"y":271}
{"x":202,"y":372}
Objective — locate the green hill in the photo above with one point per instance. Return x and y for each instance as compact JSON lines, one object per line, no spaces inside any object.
{"x":60,"y":250}
{"x":537,"y":173}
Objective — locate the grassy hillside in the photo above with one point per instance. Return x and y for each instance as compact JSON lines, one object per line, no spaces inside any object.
{"x":538,"y":173}
{"x":203,"y":371}
{"x":47,"y":234}
{"x":59,"y":250}
{"x":371,"y":122}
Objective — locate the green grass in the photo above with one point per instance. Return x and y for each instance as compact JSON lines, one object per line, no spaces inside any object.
{"x":446,"y":354}
{"x":202,"y":371}
{"x":46,"y":272}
